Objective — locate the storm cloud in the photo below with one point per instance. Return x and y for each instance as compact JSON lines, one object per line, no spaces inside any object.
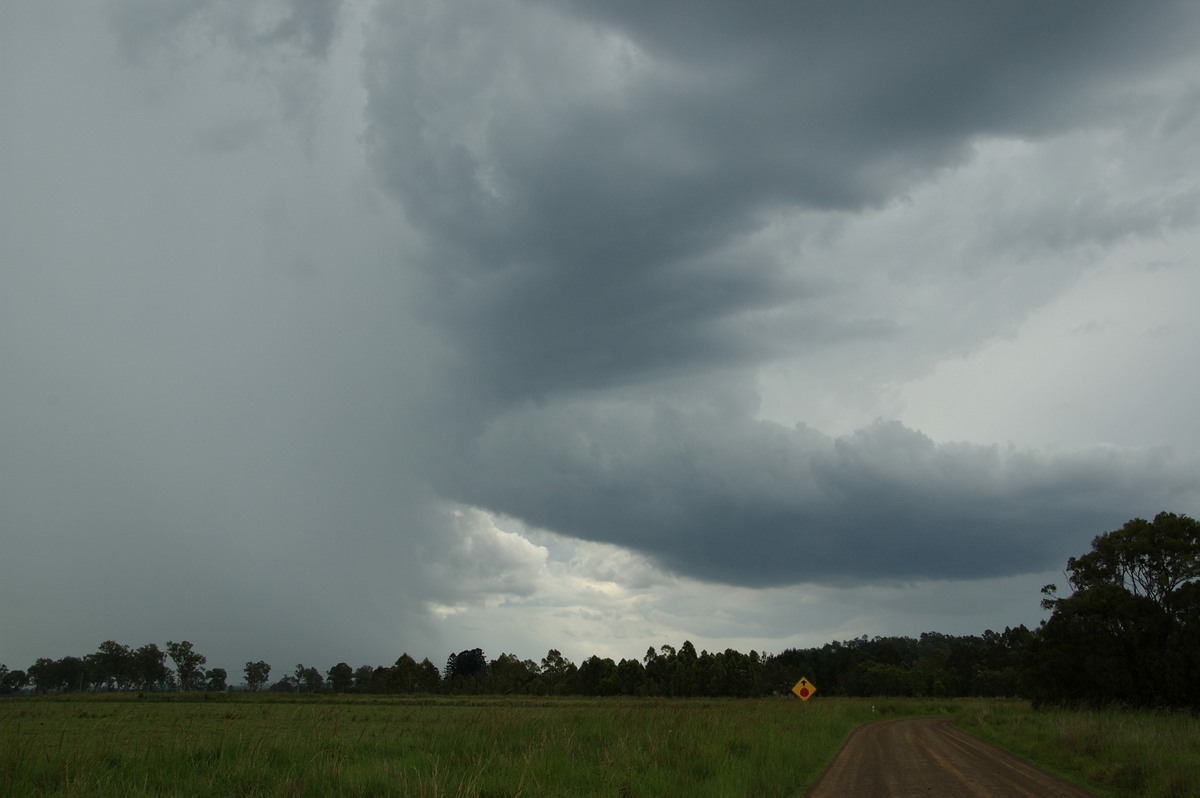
{"x":594,"y":179}
{"x":330,"y":330}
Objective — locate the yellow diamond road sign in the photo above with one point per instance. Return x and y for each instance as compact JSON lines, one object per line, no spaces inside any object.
{"x":804,"y":689}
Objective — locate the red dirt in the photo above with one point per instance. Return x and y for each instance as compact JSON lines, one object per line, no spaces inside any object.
{"x":929,"y":756}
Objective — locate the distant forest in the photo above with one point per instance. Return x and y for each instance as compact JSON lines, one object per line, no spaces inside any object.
{"x":1128,"y":634}
{"x":933,"y":665}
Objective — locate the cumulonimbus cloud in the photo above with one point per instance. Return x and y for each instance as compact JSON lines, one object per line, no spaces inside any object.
{"x":590,"y":178}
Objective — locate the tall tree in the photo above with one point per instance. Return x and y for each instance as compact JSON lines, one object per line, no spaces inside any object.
{"x":214,"y":680}
{"x":1130,"y":630}
{"x":429,"y":679}
{"x":340,"y":678}
{"x":364,"y":676}
{"x":12,"y":681}
{"x":41,"y":674}
{"x":405,"y":675}
{"x":257,"y":674}
{"x":509,"y":674}
{"x":1153,"y":559}
{"x":555,"y":671}
{"x":112,"y":666}
{"x":311,"y":680}
{"x":597,"y":676}
{"x":150,"y":667}
{"x":189,"y":664}
{"x":70,"y":674}
{"x":466,"y":669}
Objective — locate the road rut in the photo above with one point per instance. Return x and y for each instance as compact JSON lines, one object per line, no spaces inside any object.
{"x":929,"y":756}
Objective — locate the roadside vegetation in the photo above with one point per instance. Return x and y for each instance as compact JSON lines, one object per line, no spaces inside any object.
{"x":1117,"y":751}
{"x":196,"y":744}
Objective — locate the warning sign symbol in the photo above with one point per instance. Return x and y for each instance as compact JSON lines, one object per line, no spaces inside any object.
{"x":804,"y":689}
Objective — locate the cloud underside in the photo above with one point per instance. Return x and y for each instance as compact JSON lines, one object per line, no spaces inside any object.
{"x":604,"y":188}
{"x":754,"y":503}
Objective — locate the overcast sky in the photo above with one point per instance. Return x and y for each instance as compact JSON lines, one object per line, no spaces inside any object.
{"x":335,"y":330}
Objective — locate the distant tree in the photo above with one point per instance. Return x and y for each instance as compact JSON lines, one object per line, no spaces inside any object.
{"x":710,"y":675}
{"x":72,"y":674}
{"x":597,"y":676}
{"x":631,"y":677}
{"x":742,"y":673}
{"x":215,"y":680}
{"x":257,"y":674}
{"x":429,"y":679}
{"x":189,"y":664}
{"x":556,"y":671}
{"x":311,"y":680}
{"x":62,"y":675}
{"x":404,"y":676}
{"x":364,"y":677}
{"x":150,"y":668}
{"x":340,"y":678}
{"x":112,"y":666}
{"x":381,"y":680}
{"x":41,"y":675}
{"x":12,"y":681}
{"x":509,"y":674}
{"x":1130,"y":630}
{"x":685,"y":674}
{"x":466,"y":669}
{"x":286,"y":684}
{"x":660,"y":669}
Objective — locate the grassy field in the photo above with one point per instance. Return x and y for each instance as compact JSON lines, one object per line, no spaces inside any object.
{"x":266,"y":746}
{"x":257,"y":746}
{"x":1115,"y":752}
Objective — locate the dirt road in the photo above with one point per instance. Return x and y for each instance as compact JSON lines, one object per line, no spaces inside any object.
{"x":928,"y":756}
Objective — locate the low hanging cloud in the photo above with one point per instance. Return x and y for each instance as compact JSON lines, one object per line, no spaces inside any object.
{"x":754,"y":503}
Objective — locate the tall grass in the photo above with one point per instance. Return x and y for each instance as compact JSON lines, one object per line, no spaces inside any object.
{"x":268,"y":745}
{"x":257,"y":747}
{"x":1116,"y":752}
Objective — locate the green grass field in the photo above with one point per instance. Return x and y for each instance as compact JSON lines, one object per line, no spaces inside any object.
{"x":266,"y":746}
{"x":1115,"y":752}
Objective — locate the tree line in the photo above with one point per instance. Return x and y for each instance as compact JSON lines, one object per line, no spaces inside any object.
{"x":1129,"y":633}
{"x":933,"y":664}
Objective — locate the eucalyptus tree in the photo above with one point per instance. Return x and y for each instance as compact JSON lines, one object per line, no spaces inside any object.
{"x":189,"y":664}
{"x":257,"y":674}
{"x":1129,"y":632}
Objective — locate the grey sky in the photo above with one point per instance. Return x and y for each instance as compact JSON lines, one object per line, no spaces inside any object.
{"x":330,"y":331}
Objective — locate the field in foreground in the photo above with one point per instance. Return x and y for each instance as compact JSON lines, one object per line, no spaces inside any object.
{"x":1115,"y":752}
{"x":265,"y":746}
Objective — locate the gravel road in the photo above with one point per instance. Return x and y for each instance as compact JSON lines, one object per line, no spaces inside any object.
{"x":929,"y":756}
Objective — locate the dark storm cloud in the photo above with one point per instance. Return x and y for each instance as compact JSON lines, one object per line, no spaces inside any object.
{"x":591,"y":177}
{"x":604,"y":196}
{"x":729,"y":498}
{"x":243,"y":401}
